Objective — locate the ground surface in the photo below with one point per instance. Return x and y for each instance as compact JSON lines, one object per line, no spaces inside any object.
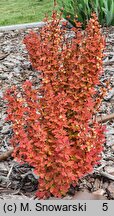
{"x":27,"y":11}
{"x":18,"y":181}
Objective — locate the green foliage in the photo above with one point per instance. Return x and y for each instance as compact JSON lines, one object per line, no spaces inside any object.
{"x":27,"y":11}
{"x":83,"y":9}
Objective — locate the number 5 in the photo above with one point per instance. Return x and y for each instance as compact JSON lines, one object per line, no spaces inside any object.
{"x":105,"y":207}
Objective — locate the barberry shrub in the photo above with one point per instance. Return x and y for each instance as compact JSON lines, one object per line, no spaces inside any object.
{"x":51,"y":123}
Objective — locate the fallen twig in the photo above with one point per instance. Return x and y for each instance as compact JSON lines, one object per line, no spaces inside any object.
{"x":102,"y":119}
{"x":5,"y":155}
{"x":9,"y":173}
{"x":30,"y":173}
{"x":109,"y":158}
{"x":105,"y":118}
{"x":3,"y":55}
{"x":107,"y":175}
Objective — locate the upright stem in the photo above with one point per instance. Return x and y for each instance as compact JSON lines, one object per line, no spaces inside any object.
{"x":55,"y":3}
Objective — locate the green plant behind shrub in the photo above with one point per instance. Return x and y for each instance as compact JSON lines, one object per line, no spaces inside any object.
{"x":83,"y":9}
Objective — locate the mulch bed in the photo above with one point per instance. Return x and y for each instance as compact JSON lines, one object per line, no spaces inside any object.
{"x":17,"y":180}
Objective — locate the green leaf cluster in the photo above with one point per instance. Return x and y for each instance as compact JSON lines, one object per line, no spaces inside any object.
{"x":83,"y":9}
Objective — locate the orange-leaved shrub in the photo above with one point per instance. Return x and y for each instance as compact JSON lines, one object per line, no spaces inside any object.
{"x":51,"y":123}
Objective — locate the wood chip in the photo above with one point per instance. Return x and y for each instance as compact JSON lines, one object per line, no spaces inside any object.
{"x":5,"y":155}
